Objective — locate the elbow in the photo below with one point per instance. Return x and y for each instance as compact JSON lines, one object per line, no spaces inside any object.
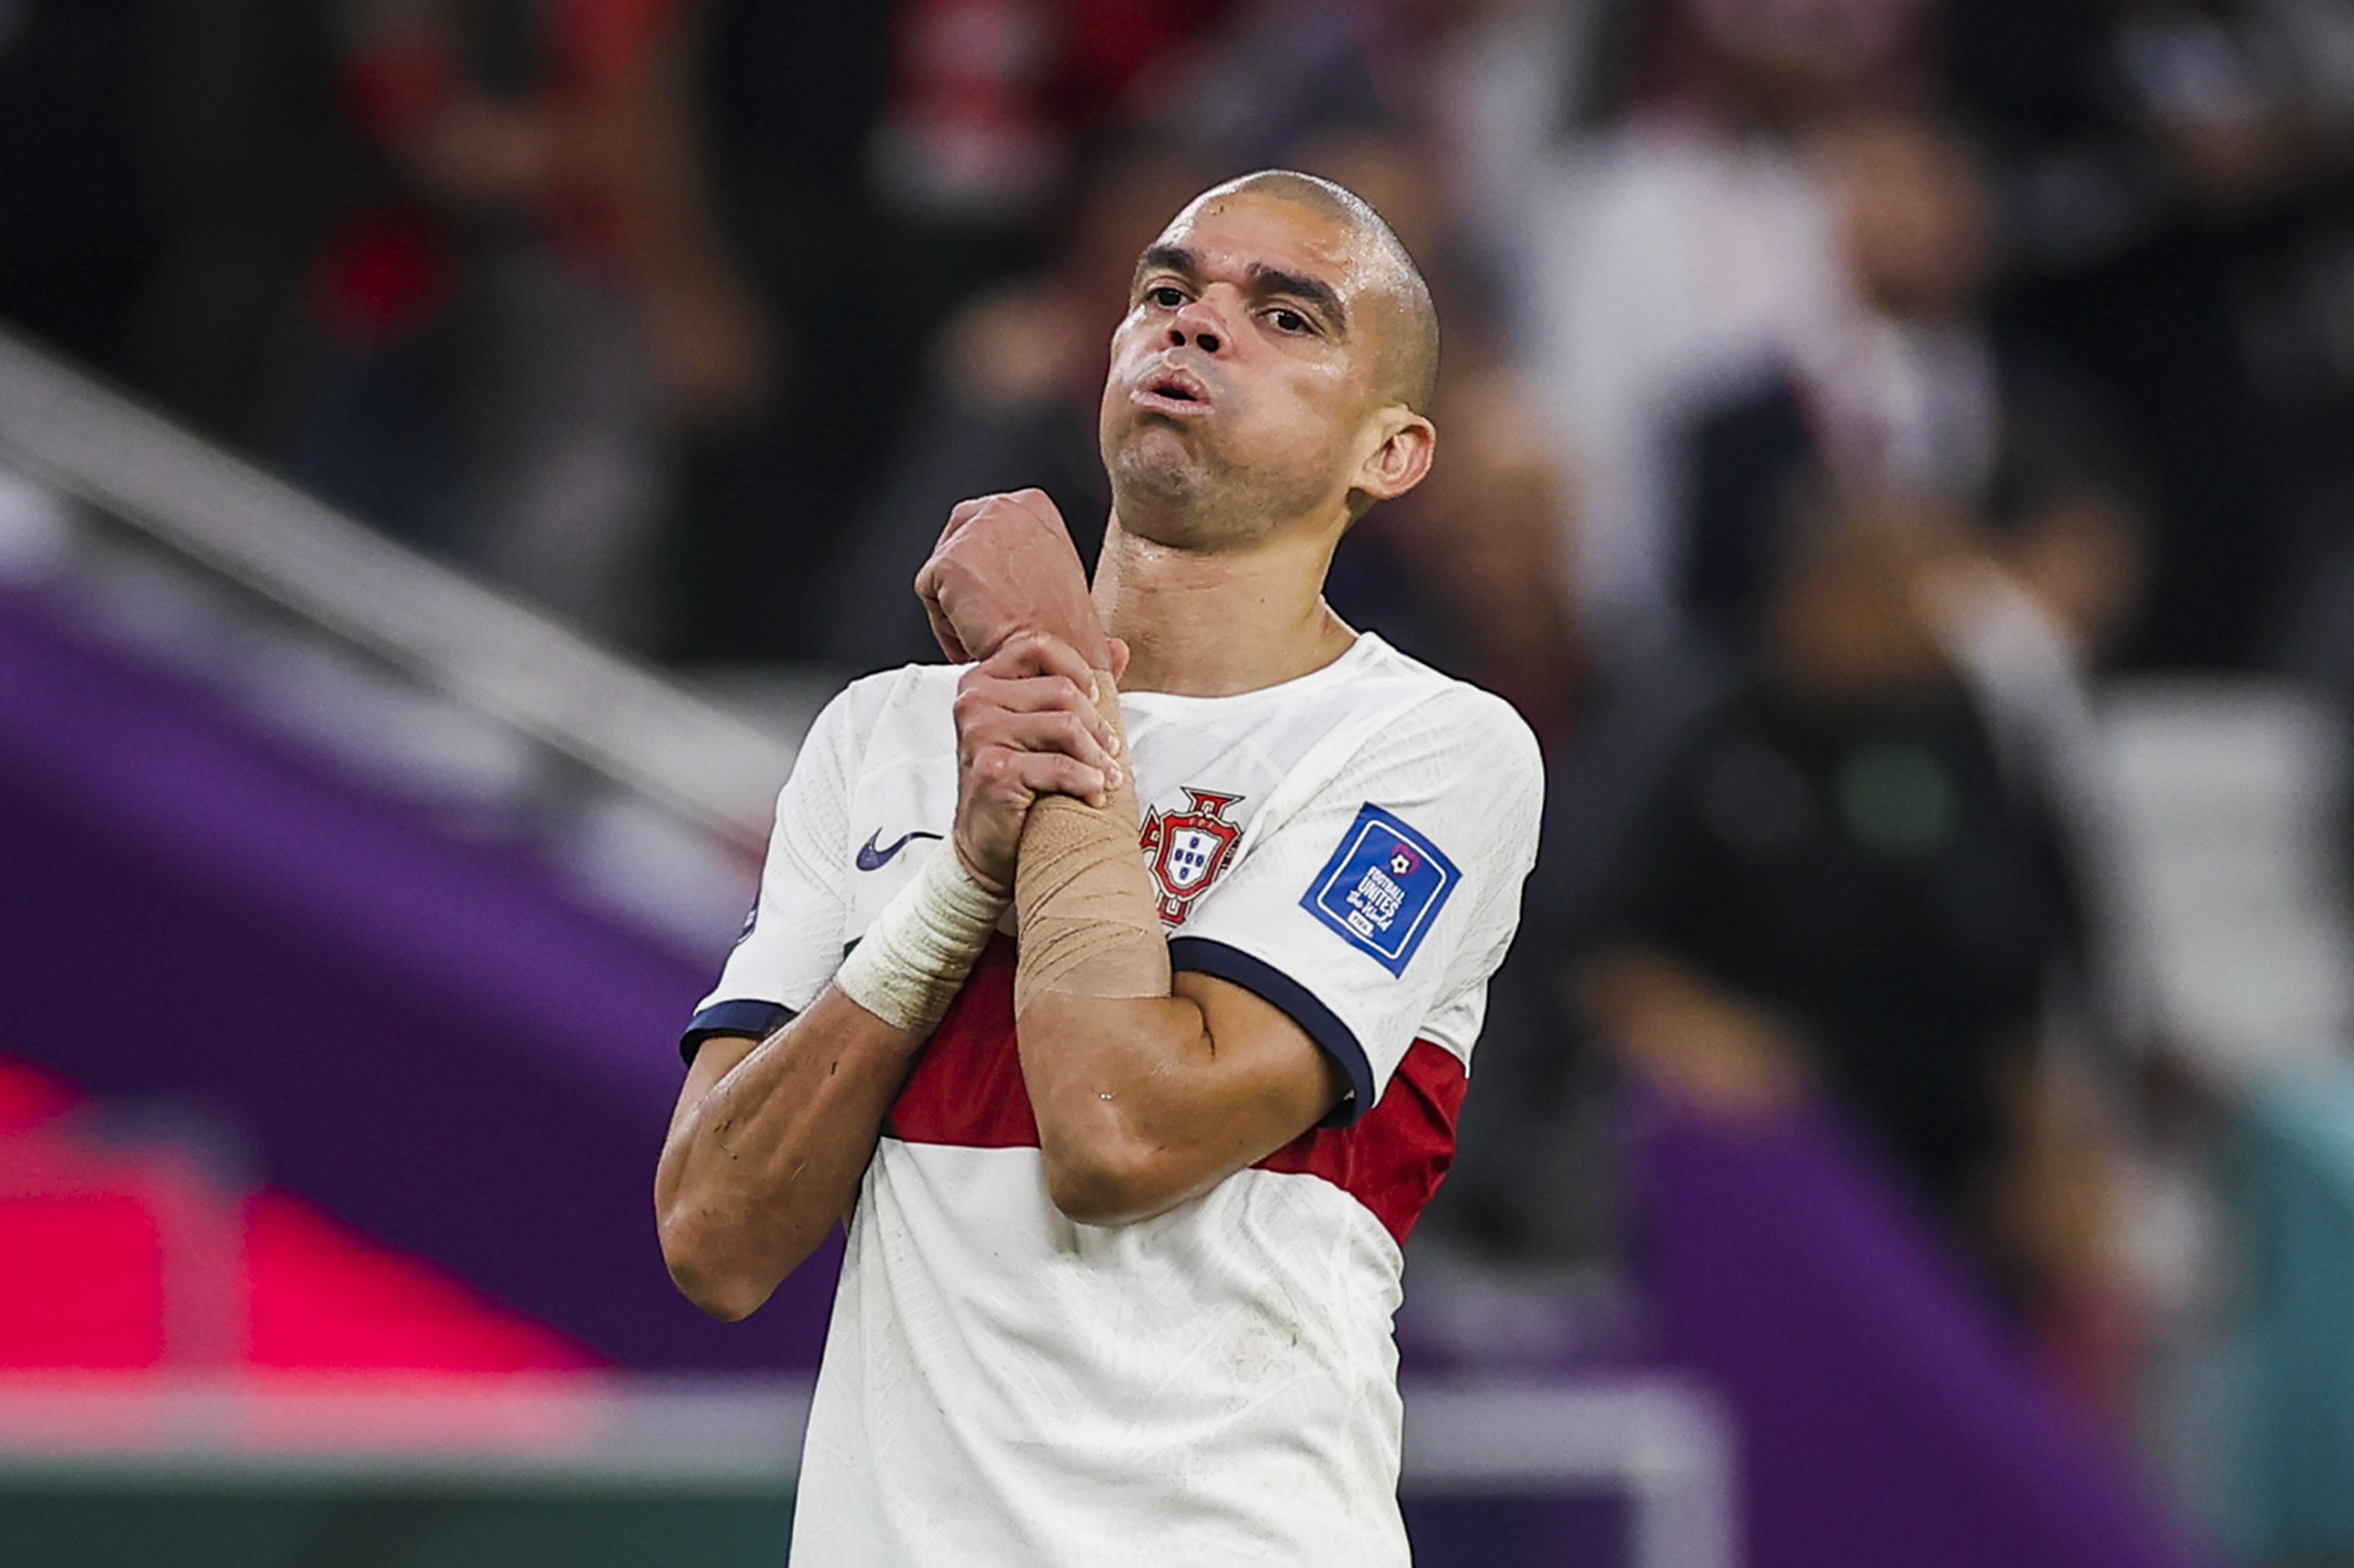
{"x":703,"y":1273}
{"x":728,"y":1300}
{"x":1105,"y":1185}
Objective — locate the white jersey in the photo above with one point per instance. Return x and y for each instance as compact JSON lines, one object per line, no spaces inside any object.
{"x":1216,"y":1384}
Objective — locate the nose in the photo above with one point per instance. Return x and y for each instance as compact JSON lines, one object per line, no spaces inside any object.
{"x":1196,"y":324}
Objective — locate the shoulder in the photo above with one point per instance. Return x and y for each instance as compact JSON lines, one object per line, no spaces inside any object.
{"x":1445,"y":761}
{"x":1442,"y":717}
{"x":892,"y":708}
{"x":895,"y":715}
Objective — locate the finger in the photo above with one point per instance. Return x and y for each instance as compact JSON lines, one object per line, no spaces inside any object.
{"x":1030,"y":654}
{"x":963,"y":513}
{"x":980,"y":693}
{"x":1028,"y":695}
{"x":1052,"y":773}
{"x":1119,"y":649}
{"x":980,"y":727}
{"x":1041,"y":505}
{"x":1060,"y":730}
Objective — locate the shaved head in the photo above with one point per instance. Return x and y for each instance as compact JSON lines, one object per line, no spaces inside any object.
{"x":1409,"y":368}
{"x":1278,"y":350}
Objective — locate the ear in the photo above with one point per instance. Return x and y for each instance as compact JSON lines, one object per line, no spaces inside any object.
{"x":1407,"y":443}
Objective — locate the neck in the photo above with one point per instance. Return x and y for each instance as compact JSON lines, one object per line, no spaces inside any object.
{"x":1204,"y":624}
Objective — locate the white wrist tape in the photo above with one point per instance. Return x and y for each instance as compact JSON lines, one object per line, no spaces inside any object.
{"x":907,"y":968}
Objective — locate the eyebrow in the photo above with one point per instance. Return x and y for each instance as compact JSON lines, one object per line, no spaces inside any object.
{"x":1264,"y":278}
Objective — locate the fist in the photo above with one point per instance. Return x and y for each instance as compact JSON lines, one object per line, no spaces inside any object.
{"x":1005,"y":566}
{"x":1028,"y":725}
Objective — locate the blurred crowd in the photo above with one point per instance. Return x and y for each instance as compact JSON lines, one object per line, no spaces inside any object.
{"x":1833,"y":390}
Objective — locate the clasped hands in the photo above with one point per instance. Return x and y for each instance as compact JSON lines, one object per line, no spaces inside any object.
{"x":1004,"y":589}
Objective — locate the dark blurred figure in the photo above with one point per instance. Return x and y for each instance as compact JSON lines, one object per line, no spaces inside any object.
{"x":1877,"y":857}
{"x":1835,"y":879}
{"x":256,"y":161}
{"x":796,"y":91}
{"x":1904,"y":392}
{"x":1914,"y":392}
{"x":2174,"y":176}
{"x":81,"y":218}
{"x":525,"y":299}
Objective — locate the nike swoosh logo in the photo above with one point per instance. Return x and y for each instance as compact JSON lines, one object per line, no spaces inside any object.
{"x":870,"y":858}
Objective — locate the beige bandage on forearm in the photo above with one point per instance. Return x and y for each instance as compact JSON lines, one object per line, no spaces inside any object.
{"x":911,"y":962}
{"x":1089,"y":926}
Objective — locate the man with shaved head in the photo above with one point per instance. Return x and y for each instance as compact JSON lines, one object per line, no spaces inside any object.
{"x":1119,"y":982}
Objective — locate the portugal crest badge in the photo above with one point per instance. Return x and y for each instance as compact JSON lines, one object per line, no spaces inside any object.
{"x":1188,"y":848}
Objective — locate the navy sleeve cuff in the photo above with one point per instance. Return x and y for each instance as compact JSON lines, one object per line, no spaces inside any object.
{"x":1204,"y":955}
{"x":757,"y":1019}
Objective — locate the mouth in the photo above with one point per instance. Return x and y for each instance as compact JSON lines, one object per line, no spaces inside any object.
{"x":1170,"y":390}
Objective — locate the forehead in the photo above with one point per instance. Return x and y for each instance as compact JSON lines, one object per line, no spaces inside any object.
{"x":1235,"y":232}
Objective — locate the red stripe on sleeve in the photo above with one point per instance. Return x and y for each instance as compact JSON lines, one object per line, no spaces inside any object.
{"x":1393,"y":1157}
{"x":968,"y":1091}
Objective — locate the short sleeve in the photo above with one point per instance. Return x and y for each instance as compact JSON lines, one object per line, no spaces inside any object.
{"x":792,"y":941}
{"x":1383,"y":904}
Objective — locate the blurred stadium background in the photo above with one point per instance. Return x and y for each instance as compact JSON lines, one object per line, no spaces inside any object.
{"x":1899,"y":455}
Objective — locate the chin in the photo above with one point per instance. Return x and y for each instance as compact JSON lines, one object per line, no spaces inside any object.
{"x":1156,"y":505}
{"x":1154,"y":474}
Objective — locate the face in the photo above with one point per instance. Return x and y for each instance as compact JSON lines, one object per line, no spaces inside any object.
{"x":1244,"y":388}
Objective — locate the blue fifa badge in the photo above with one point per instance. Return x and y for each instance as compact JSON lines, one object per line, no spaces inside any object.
{"x":1383,"y":888}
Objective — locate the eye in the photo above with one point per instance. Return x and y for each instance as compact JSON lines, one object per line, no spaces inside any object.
{"x":1288,"y":320}
{"x":1168,"y":296}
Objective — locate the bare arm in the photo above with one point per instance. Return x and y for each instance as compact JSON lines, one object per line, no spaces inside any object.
{"x":766,"y":1147}
{"x":1149,"y":1088}
{"x":1143,"y":1102}
{"x":771,"y":1140}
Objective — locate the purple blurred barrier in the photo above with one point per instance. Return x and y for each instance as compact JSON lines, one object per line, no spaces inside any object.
{"x":433,"y":1035}
{"x":1883,"y":1419}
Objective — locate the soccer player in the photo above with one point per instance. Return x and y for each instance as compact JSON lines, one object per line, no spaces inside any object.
{"x":1169,"y":921}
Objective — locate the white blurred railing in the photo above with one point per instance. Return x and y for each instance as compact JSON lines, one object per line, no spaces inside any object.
{"x":520,"y":668}
{"x":1654,"y":1440}
{"x":2227,"y":796}
{"x":658,"y":797}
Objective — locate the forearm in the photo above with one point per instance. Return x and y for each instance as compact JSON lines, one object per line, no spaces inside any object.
{"x":765,"y":1152}
{"x":762,"y":1161}
{"x":1148,"y":1087}
{"x":1119,"y":1086}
